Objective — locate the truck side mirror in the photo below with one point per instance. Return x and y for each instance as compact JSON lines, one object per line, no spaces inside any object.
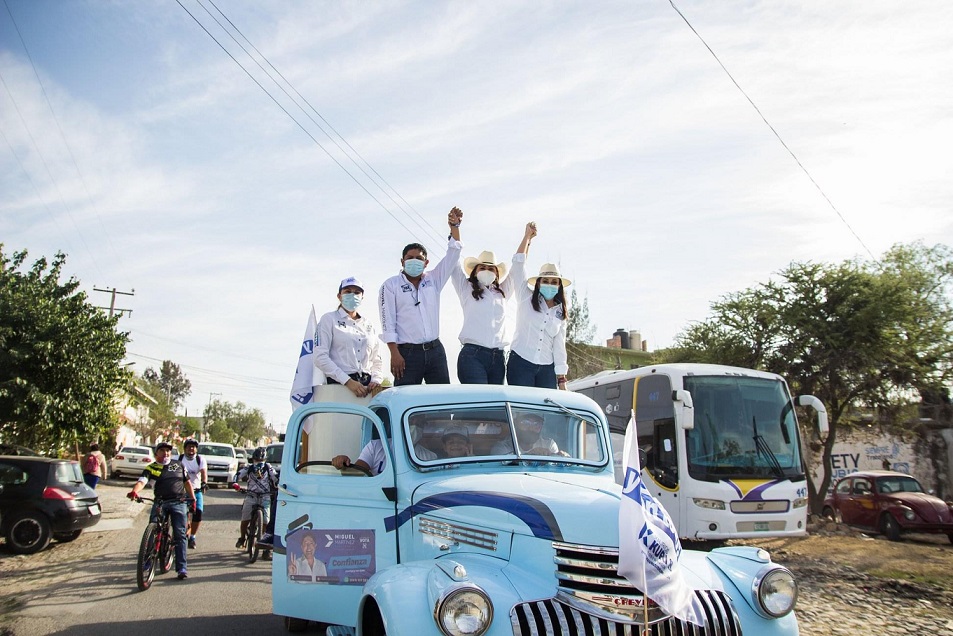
{"x":686,"y":413}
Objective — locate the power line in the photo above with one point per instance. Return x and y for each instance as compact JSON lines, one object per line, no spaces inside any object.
{"x":298,"y":123}
{"x":768,"y":124}
{"x":424,"y":224}
{"x":66,"y":143}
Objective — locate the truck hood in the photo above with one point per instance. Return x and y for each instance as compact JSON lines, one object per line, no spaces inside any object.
{"x":543,"y":505}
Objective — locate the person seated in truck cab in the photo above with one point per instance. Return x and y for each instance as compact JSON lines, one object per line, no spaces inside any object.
{"x":372,"y":458}
{"x":528,"y":429}
{"x":456,"y":442}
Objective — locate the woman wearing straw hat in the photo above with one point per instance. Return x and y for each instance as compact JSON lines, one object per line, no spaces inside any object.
{"x":538,"y":354}
{"x":482,"y":287}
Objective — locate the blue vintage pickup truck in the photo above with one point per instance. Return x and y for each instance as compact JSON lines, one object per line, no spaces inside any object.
{"x":480,"y":510}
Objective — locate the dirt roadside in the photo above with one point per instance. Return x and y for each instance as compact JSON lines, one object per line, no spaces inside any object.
{"x":917,"y":559}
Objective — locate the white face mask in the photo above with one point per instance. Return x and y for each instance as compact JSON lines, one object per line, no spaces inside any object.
{"x":351,"y":301}
{"x":486,"y":277}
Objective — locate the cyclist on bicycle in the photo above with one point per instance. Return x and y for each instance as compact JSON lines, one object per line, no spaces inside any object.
{"x":197,"y":468}
{"x":262,"y":481}
{"x":174,"y":493}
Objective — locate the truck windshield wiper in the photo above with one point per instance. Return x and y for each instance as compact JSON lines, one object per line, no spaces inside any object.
{"x":765,"y":450}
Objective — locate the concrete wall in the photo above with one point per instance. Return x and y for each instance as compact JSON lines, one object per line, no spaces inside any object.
{"x":927,"y":455}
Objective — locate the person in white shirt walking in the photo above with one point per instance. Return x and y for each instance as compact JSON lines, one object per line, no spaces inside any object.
{"x":346,"y":345}
{"x":410,"y":312}
{"x":538,"y":353}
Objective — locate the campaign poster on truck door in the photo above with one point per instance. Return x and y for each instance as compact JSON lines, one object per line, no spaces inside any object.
{"x":331,"y":556}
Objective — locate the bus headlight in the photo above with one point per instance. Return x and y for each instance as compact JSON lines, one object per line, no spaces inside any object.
{"x":466,"y":611}
{"x":800,"y":502}
{"x":776,"y":591}
{"x":710,"y":504}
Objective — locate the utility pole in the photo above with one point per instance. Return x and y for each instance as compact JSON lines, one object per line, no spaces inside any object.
{"x":112,"y":303}
{"x":205,"y":417}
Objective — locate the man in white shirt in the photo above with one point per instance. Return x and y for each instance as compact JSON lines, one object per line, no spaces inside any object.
{"x":307,"y":566}
{"x":197,"y":469}
{"x":528,"y":429}
{"x":410,"y":312}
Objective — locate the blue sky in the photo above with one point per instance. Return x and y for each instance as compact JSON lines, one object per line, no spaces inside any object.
{"x":162,"y":167}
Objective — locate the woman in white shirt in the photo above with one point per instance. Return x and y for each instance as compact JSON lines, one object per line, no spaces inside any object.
{"x":482,"y":288}
{"x":538,"y":354}
{"x":346,"y":345}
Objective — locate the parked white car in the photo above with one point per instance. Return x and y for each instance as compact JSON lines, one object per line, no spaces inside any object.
{"x":130,"y":460}
{"x":221,"y":459}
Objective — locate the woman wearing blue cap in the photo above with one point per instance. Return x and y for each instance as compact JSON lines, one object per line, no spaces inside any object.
{"x":346,"y":344}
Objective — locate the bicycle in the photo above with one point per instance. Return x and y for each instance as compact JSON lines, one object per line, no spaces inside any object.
{"x":256,"y":526}
{"x":157,"y":549}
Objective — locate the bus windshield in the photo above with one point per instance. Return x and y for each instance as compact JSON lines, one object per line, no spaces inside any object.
{"x":744,"y":428}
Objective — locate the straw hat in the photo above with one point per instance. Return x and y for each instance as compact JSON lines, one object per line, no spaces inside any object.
{"x":548,"y":270}
{"x":485,"y":258}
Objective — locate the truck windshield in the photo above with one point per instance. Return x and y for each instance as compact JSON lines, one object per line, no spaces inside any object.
{"x":744,"y":428}
{"x":458,"y":435}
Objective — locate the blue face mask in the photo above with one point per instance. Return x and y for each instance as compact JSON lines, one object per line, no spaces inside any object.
{"x":414,"y":267}
{"x":351,"y":301}
{"x":548,"y":291}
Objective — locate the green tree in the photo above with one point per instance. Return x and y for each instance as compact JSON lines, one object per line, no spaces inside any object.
{"x":60,"y":357}
{"x":579,"y":333}
{"x":171,"y":380}
{"x":233,"y":423}
{"x":856,"y":334}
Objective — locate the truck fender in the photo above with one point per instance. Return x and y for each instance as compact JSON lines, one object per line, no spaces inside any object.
{"x":406,"y":595}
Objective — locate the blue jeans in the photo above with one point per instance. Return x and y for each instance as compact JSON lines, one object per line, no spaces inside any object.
{"x":178,"y":512}
{"x":480,"y":365}
{"x":424,"y":365}
{"x":519,"y":372}
{"x":91,"y":480}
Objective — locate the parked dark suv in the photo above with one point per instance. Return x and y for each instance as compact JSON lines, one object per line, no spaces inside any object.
{"x":43,"y":499}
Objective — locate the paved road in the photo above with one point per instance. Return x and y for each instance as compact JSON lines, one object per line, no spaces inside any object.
{"x":89,"y":586}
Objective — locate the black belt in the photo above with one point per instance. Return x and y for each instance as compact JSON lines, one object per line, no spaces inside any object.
{"x":425,"y":346}
{"x":363,"y":378}
{"x":482,"y":348}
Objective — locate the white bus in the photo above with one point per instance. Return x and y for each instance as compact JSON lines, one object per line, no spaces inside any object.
{"x":721,"y":446}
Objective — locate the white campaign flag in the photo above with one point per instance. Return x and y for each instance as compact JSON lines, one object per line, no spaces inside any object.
{"x":306,"y":375}
{"x":648,"y":541}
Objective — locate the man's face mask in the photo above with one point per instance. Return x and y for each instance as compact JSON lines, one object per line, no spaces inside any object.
{"x":414,"y":267}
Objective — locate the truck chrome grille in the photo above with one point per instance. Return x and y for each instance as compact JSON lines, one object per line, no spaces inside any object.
{"x":593,"y":599}
{"x":457,"y":533}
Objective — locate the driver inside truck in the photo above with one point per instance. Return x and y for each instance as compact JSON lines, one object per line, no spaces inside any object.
{"x":529,"y":427}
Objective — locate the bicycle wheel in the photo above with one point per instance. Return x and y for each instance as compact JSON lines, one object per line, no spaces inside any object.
{"x":254,"y":534}
{"x":147,"y":561}
{"x":166,"y":548}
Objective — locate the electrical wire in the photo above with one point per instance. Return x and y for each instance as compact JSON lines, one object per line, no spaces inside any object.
{"x":776,"y":134}
{"x":292,"y":117}
{"x":426,"y":225}
{"x":69,"y":148}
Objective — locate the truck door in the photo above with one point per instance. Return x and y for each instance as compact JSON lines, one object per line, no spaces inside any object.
{"x":655,"y":421}
{"x":329,"y":531}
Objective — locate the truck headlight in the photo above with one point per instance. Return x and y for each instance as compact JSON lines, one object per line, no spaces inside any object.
{"x":711,"y":504}
{"x":776,"y":591}
{"x":800,"y":502}
{"x":466,"y":611}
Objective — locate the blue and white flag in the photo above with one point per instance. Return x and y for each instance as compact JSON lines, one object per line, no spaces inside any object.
{"x":648,"y":541}
{"x":302,"y":389}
